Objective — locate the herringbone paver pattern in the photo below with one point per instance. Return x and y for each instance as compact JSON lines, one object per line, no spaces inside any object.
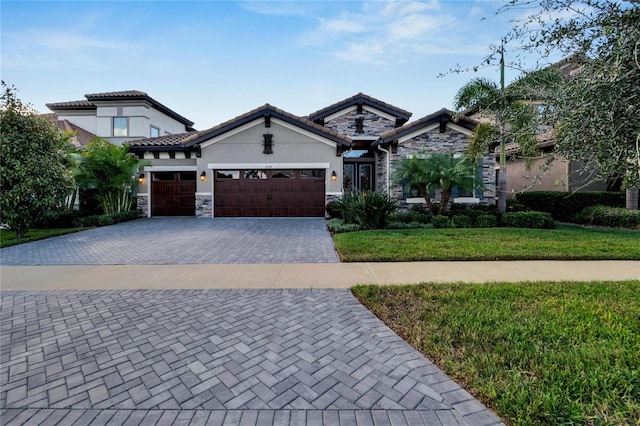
{"x":215,"y":357}
{"x":174,"y":241}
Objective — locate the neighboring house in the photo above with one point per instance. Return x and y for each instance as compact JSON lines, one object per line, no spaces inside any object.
{"x":80,"y":137}
{"x":119,"y":116}
{"x":268,"y":162}
{"x":548,"y":172}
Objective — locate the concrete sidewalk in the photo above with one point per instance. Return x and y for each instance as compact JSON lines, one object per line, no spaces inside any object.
{"x":301,"y":275}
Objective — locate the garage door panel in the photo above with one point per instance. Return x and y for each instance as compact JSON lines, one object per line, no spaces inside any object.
{"x":175,"y":197}
{"x":279,"y":197}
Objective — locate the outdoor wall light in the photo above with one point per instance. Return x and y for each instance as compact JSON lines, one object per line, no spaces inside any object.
{"x":334,"y":176}
{"x":141,"y":178}
{"x":203,"y":176}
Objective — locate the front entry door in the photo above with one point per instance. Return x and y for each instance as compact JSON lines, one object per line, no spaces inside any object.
{"x":358,"y":177}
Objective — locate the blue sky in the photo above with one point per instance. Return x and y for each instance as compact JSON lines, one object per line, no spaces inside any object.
{"x":213,"y":60}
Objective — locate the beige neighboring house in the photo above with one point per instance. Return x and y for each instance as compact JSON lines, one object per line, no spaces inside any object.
{"x":119,"y":116}
{"x":269,"y":162}
{"x":548,"y":172}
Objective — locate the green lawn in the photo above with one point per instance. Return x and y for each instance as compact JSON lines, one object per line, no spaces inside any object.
{"x":563,"y":243}
{"x":8,"y":237}
{"x":544,"y":353}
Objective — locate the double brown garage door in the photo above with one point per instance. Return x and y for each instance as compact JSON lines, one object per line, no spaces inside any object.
{"x":267,"y":193}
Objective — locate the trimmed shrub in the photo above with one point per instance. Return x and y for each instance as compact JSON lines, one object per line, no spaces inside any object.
{"x":105,"y":219}
{"x":441,"y":221}
{"x":564,"y":206}
{"x":410,"y":216}
{"x":485,"y":220}
{"x":514,"y":206}
{"x":337,"y":226}
{"x":535,"y":220}
{"x":409,"y":225}
{"x":609,"y":216}
{"x":56,"y":220}
{"x":461,"y":221}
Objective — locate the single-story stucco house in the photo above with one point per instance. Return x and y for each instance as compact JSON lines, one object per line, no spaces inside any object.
{"x":269,"y":162}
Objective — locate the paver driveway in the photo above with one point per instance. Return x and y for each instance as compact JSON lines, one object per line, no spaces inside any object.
{"x":166,"y":241}
{"x":215,"y":357}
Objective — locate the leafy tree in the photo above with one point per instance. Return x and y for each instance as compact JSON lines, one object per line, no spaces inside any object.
{"x":110,"y":171}
{"x":431,"y":172}
{"x":33,"y":175}
{"x":597,"y":110}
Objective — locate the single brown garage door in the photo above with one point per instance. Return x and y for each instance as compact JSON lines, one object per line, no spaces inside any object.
{"x":173,"y":194}
{"x":266,"y":193}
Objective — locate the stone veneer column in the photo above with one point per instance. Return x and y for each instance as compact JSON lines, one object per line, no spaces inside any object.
{"x":143,"y":204}
{"x":204,"y":206}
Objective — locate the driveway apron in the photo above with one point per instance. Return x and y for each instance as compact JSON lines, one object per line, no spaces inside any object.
{"x":215,"y":357}
{"x":170,"y":241}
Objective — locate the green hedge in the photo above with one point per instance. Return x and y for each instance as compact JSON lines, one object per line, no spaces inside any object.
{"x":106,"y":219}
{"x":563,"y":206}
{"x":613,"y":217}
{"x":535,"y":220}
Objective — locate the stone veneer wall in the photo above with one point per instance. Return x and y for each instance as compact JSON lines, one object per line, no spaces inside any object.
{"x":143,"y":204}
{"x":204,"y":206}
{"x":436,"y":142}
{"x":374,"y":125}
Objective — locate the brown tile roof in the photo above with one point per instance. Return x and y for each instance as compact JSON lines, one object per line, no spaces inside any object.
{"x":443,"y":114}
{"x":81,"y":136}
{"x":122,"y":95}
{"x":138,"y":95}
{"x":175,"y":140}
{"x":361,"y":98}
{"x":83,"y":104}
{"x":262,"y":111}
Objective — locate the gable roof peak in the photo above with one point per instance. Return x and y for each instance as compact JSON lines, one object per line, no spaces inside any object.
{"x":360,"y":97}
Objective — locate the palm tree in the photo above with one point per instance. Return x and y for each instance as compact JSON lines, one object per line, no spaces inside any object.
{"x":430,"y":172}
{"x":513,"y":115}
{"x":110,"y":170}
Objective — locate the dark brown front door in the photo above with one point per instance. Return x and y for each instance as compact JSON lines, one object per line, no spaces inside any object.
{"x":173,"y":194}
{"x":266,"y":193}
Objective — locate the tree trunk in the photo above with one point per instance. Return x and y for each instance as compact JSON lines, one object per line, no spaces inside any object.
{"x":632,"y":199}
{"x":502,"y":188}
{"x":444,"y":201}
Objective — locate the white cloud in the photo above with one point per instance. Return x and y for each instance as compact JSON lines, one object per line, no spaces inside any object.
{"x":286,"y":8}
{"x":60,"y":48}
{"x":390,"y":31}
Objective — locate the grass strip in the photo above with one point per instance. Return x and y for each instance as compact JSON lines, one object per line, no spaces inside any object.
{"x":8,"y":237}
{"x":563,"y":243}
{"x":542,"y":353}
